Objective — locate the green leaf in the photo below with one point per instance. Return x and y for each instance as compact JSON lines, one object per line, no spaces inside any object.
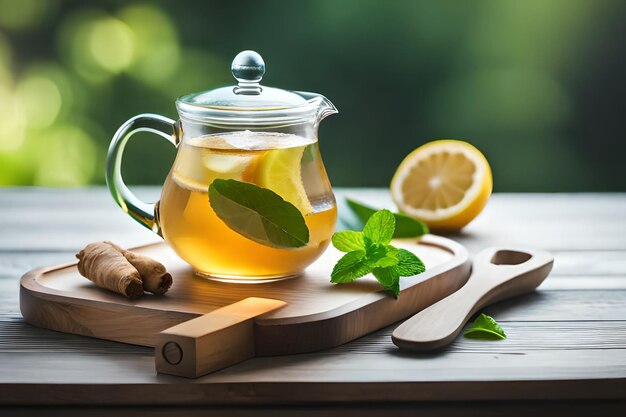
{"x":309,"y":154}
{"x":389,"y":279}
{"x":385,"y":276}
{"x":380,"y":255}
{"x":380,"y":226}
{"x":351,"y":266}
{"x":395,"y":288}
{"x":384,"y":262}
{"x":485,"y":327}
{"x":348,"y":240}
{"x":405,"y":225}
{"x":409,"y":227}
{"x":408,"y":264}
{"x":258,"y":214}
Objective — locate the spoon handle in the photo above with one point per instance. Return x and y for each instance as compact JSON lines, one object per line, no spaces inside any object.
{"x":497,"y":274}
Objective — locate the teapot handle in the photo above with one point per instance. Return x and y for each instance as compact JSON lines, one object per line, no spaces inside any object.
{"x":167,"y":128}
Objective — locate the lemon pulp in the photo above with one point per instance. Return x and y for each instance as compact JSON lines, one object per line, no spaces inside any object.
{"x":280,"y":171}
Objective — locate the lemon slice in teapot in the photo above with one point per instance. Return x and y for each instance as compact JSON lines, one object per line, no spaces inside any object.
{"x":280,"y":171}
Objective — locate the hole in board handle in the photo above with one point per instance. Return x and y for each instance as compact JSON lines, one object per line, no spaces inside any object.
{"x":510,"y":257}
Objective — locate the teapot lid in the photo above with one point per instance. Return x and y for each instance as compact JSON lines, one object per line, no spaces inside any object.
{"x":248,"y":68}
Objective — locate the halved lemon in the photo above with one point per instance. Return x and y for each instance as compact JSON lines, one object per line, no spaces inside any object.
{"x":280,"y":171}
{"x":444,"y":183}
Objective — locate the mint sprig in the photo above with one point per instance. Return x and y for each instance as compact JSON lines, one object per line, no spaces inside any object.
{"x":485,"y":327}
{"x":370,"y":251}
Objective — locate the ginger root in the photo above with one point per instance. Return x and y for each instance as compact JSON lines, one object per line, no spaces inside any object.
{"x":106,"y":267}
{"x":122,"y":271}
{"x":155,"y":277}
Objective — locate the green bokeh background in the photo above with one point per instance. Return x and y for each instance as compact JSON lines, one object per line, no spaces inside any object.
{"x":537,"y":85}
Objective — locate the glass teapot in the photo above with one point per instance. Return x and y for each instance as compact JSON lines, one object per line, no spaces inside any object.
{"x":248,"y":133}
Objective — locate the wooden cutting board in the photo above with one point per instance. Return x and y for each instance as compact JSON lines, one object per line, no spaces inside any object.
{"x":200,"y":325}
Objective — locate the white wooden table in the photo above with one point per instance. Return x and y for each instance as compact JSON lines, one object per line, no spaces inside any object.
{"x":566,"y":349}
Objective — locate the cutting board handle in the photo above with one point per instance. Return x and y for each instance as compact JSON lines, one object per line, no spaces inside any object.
{"x":211,"y":342}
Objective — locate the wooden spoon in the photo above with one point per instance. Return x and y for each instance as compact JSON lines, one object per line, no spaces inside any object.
{"x":497,"y":274}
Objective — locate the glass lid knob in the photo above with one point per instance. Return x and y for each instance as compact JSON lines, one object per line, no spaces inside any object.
{"x":248,"y":68}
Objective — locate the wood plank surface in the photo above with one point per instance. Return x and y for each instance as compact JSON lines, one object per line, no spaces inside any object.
{"x":566,"y":341}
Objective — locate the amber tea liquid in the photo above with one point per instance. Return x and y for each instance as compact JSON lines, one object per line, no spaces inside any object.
{"x":287,"y":164}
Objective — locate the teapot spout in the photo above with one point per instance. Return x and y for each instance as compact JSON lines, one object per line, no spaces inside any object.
{"x":324,"y":107}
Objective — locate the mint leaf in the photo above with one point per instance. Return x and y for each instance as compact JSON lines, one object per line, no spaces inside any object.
{"x":389,"y":279}
{"x":408,"y":264}
{"x":395,"y":288}
{"x":405,"y":225}
{"x":380,"y":227}
{"x":309,"y":154}
{"x":258,"y":214}
{"x":485,"y":327}
{"x":348,"y":240}
{"x":380,"y":255}
{"x":351,"y":266}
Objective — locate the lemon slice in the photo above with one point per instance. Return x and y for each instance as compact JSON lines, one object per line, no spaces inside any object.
{"x":280,"y":171}
{"x":238,"y":166}
{"x":445,"y":183}
{"x":198,"y":167}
